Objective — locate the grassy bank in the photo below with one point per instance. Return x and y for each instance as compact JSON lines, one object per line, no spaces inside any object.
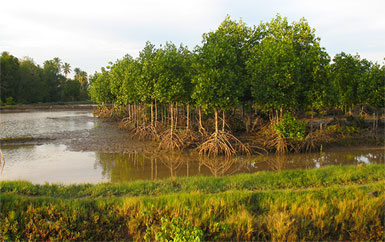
{"x":332,"y":203}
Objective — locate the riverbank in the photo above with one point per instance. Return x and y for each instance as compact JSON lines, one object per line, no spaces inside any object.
{"x":331,"y":203}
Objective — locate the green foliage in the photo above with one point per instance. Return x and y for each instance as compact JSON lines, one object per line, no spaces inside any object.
{"x":352,"y":78}
{"x":173,"y":68}
{"x":9,"y":101}
{"x":289,"y":127}
{"x":176,"y":229}
{"x":118,"y":77}
{"x":372,"y":88}
{"x":71,"y":90}
{"x":344,"y":129}
{"x":288,"y":67}
{"x":100,"y":90}
{"x":9,"y":76}
{"x":219,"y":66}
{"x":147,"y":76}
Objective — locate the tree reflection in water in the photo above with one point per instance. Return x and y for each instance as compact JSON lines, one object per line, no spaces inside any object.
{"x":157,"y":165}
{"x":172,"y":161}
{"x":220,"y":166}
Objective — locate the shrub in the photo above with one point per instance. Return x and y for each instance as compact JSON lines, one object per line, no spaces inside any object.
{"x":175,"y":229}
{"x":9,"y":101}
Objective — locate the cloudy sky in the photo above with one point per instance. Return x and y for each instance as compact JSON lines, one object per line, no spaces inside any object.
{"x":88,"y":34}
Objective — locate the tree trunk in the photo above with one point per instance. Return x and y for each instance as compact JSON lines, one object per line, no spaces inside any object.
{"x":200,"y":119}
{"x":152,"y":114}
{"x":156,"y":113}
{"x":188,"y":117}
{"x":223,"y":121}
{"x":374,"y":122}
{"x":311,"y":124}
{"x":172,"y":118}
{"x":176,"y":115}
{"x":216,"y":121}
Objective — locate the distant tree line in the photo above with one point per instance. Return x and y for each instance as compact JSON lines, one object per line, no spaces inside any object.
{"x":23,"y":81}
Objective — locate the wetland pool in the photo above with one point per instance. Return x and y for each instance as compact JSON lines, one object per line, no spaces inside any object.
{"x":70,"y":147}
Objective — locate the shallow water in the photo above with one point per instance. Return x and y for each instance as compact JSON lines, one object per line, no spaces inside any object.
{"x":35,"y":124}
{"x":58,"y":162}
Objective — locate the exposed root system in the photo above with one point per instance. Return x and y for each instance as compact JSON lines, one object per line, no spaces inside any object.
{"x":222,"y":143}
{"x":127,"y":124}
{"x":109,"y":113}
{"x":313,"y":141}
{"x":172,"y":141}
{"x":147,"y":132}
{"x":270,"y":140}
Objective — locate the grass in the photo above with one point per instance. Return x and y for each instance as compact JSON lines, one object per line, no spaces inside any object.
{"x":331,"y":203}
{"x":263,"y":180}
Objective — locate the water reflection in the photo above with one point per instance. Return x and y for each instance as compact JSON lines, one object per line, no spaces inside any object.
{"x":317,"y":160}
{"x":55,"y":163}
{"x":128,"y":167}
{"x":49,"y":163}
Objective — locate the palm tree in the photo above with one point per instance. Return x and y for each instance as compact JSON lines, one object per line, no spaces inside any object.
{"x":77,"y":71}
{"x":57,"y":63}
{"x":81,"y":76}
{"x":66,"y":69}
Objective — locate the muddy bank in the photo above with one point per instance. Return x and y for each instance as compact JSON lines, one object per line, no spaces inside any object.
{"x":103,"y":137}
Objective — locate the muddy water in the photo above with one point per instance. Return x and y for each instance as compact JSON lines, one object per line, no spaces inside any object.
{"x":43,"y":123}
{"x":74,"y":147}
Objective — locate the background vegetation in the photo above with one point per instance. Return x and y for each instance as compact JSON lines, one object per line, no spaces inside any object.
{"x":22,"y":81}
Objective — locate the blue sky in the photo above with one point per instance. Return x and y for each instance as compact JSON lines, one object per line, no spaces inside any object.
{"x":88,"y":34}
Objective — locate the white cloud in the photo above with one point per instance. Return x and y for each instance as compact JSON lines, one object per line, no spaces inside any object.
{"x":88,"y":34}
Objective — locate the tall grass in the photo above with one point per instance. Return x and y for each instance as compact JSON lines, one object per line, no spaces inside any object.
{"x":349,"y":213}
{"x":332,"y":203}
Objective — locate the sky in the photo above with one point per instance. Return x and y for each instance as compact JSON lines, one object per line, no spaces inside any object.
{"x":90,"y":33}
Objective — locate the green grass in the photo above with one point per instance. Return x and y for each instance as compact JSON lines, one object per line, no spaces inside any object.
{"x":263,"y":180}
{"x":332,"y":203}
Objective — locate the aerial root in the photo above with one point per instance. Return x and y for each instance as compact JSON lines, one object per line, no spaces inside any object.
{"x":313,"y":141}
{"x":172,"y":141}
{"x":222,"y":143}
{"x":146,"y":132}
{"x":127,"y":124}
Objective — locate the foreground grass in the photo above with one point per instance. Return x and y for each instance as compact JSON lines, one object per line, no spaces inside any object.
{"x":332,"y":203}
